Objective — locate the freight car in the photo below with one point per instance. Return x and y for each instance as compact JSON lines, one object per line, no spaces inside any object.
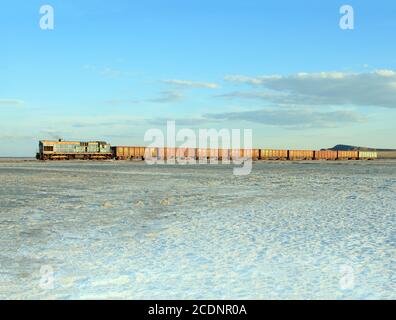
{"x":69,"y":150}
{"x":269,"y":154}
{"x":347,"y":155}
{"x":367,"y":155}
{"x":301,"y":154}
{"x":128,"y":153}
{"x":325,"y":155}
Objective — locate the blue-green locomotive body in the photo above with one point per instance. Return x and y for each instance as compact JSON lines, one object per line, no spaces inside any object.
{"x":68,"y":150}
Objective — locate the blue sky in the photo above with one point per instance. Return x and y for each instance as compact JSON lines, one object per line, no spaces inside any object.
{"x":110,"y":70}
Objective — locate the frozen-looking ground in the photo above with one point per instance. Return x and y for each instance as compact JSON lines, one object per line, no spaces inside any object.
{"x":308,"y":230}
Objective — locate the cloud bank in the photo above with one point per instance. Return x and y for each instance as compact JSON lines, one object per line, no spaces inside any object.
{"x":287,"y":118}
{"x":376,"y":88}
{"x":292,"y":118}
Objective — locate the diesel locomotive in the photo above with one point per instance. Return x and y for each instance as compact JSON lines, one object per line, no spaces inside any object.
{"x":71,"y":150}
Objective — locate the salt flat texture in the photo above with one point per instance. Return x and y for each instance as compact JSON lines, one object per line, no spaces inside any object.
{"x":305,"y":230}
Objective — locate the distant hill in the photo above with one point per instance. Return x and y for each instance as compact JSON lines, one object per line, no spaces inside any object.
{"x":344,"y":147}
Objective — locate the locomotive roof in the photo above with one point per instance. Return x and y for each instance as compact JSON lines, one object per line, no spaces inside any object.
{"x":70,"y":142}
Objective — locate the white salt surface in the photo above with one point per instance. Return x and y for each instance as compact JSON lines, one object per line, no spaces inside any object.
{"x":307,"y":230}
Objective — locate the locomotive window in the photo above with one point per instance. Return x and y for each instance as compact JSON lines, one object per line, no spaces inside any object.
{"x":48,"y":148}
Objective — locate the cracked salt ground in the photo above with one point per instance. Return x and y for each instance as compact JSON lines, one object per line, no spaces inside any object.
{"x":127,"y":230}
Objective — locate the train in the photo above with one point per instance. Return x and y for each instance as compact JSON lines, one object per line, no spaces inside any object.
{"x":101,"y":150}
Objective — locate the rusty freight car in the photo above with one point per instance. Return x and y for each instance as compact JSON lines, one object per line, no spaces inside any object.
{"x":128,"y":153}
{"x":347,"y":155}
{"x":301,"y":154}
{"x":325,"y":155}
{"x":269,"y":154}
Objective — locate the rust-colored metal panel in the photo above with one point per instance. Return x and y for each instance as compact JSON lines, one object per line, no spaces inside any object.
{"x":246,"y":153}
{"x":128,"y":152}
{"x":202,"y":153}
{"x":161,"y":153}
{"x":224,"y":154}
{"x":212,"y":153}
{"x":347,"y":155}
{"x":301,"y":154}
{"x":190,"y":153}
{"x":170,"y":153}
{"x":121,"y":152}
{"x":325,"y":155}
{"x":138,"y":152}
{"x":255,"y":154}
{"x":236,"y":154}
{"x":116,"y":151}
{"x":150,"y":153}
{"x":180,"y":153}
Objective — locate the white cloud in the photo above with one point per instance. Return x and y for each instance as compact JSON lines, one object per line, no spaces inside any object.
{"x":122,"y":102}
{"x":386,"y":73}
{"x":163,"y":97}
{"x":11,"y":102}
{"x":326,"y":88}
{"x":167,"y":96}
{"x":192,"y":84}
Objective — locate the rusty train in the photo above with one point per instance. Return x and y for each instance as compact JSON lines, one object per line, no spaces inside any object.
{"x":100,"y":150}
